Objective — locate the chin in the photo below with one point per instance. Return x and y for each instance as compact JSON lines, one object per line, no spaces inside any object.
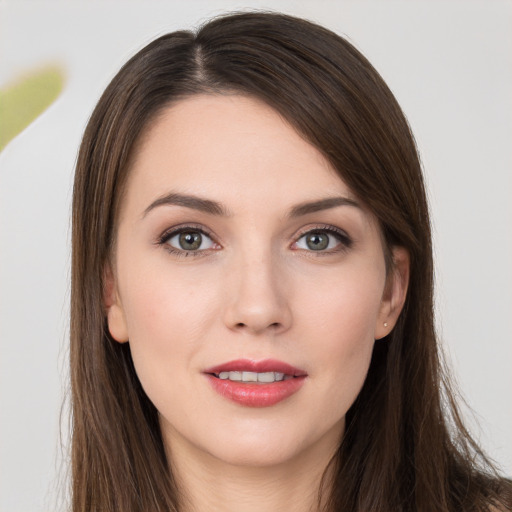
{"x":266,"y":445}
{"x":259,"y":453}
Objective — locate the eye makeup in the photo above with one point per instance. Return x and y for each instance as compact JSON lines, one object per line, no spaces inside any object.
{"x":193,"y":240}
{"x":322,"y":239}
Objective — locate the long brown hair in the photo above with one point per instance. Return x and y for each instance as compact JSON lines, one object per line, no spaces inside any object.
{"x":405,"y":447}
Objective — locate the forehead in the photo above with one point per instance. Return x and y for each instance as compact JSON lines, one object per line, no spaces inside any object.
{"x":233,"y":148}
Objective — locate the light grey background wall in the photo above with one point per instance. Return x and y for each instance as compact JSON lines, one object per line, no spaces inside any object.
{"x":449,"y":64}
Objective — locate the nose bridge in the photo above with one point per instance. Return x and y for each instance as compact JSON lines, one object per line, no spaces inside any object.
{"x":258,"y":299}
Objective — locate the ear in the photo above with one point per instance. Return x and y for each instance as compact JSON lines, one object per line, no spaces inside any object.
{"x":115,"y":313}
{"x":395,"y":292}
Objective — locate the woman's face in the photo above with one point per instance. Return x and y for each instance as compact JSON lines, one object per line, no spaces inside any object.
{"x":242,"y":255}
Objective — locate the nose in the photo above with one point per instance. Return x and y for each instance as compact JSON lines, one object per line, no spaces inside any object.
{"x":257,"y":297}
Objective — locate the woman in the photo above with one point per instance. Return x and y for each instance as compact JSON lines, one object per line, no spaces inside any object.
{"x":252,"y":318}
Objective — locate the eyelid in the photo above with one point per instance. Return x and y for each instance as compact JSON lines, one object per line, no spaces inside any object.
{"x":345,"y":240}
{"x":180,"y":228}
{"x":171,"y":232}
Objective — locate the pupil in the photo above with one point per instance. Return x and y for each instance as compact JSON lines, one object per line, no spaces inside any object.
{"x":190,"y":241}
{"x":317,"y":241}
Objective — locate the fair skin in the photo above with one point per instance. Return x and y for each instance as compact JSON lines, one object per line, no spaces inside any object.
{"x":254,"y":275}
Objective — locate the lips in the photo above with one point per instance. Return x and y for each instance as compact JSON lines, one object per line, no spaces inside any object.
{"x":255,"y":383}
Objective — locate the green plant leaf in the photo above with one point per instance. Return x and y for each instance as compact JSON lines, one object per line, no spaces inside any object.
{"x":26,"y":99}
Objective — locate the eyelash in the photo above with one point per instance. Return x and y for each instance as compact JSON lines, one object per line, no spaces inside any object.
{"x":345,"y":242}
{"x":182,"y":253}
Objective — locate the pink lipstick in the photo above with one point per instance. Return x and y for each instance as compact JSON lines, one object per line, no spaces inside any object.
{"x":255,"y":383}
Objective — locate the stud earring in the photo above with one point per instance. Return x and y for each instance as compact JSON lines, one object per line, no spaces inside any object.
{"x":385,"y":324}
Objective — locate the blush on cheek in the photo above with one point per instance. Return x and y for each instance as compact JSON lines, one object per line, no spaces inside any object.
{"x":352,"y":314}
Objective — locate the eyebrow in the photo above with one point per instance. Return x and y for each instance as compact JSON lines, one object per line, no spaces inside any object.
{"x":322,"y":204}
{"x":215,"y":208}
{"x":188,"y":201}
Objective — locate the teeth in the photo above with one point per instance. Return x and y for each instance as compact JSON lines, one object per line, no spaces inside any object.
{"x":266,"y":377}
{"x":253,"y":376}
{"x":249,"y":377}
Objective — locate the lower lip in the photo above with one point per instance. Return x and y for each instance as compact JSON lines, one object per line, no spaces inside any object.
{"x":256,"y":395}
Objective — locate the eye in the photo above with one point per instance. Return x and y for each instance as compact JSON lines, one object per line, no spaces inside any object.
{"x":187,"y":240}
{"x":323,"y":240}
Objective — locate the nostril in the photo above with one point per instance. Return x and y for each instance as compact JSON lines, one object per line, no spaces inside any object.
{"x":242,"y":325}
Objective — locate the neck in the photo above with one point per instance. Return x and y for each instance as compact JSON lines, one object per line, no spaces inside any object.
{"x":208,"y":484}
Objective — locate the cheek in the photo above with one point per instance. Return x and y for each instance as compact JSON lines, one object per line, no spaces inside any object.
{"x":341,"y":318}
{"x":345,"y":306}
{"x":168,"y":317}
{"x":161,"y":300}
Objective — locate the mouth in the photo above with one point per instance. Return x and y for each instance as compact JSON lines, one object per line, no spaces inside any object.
{"x":256,"y":383}
{"x":253,"y":377}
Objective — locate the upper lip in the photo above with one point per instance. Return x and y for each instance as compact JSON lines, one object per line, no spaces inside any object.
{"x":248,"y":365}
